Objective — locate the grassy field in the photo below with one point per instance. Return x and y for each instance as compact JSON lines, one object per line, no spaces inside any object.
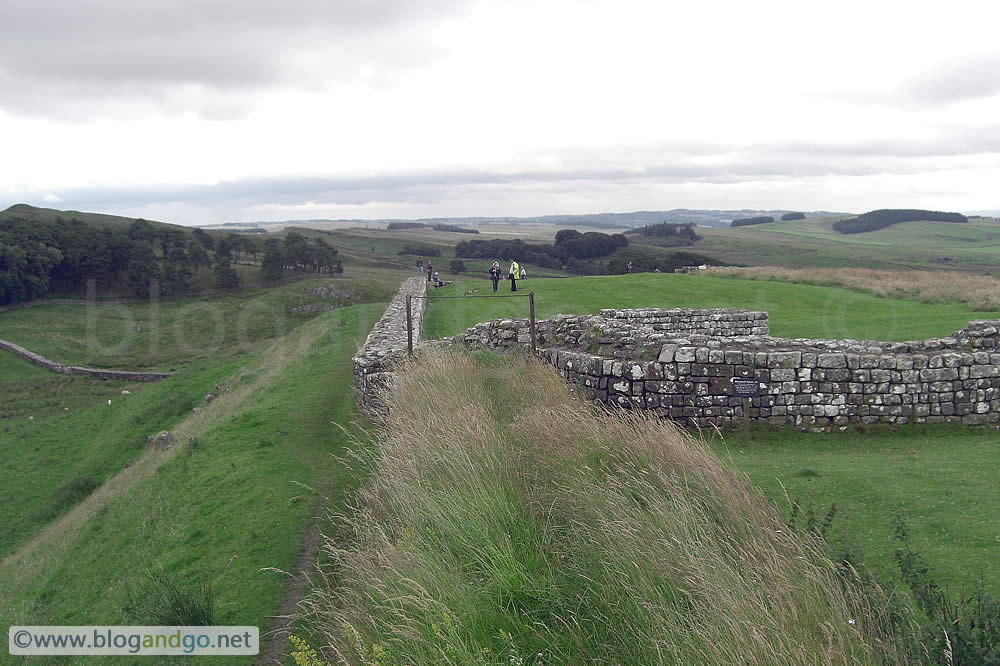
{"x":941,"y":476}
{"x":230,"y":500}
{"x":812,"y":242}
{"x":169,"y":334}
{"x":794,"y":310}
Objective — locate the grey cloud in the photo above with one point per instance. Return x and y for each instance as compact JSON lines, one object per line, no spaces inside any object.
{"x":83,"y":53}
{"x":623,"y":166}
{"x":974,"y":78}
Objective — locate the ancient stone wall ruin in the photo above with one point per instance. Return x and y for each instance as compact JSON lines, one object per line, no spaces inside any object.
{"x":385,"y":347}
{"x":680,"y":363}
{"x":64,"y":369}
{"x":815,"y":384}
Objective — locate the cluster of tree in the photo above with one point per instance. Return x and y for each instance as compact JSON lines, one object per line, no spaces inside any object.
{"x":299,"y":253}
{"x":39,"y":257}
{"x":396,"y":226}
{"x":421,"y":250}
{"x":747,"y":221}
{"x":570,"y":245}
{"x":879,"y":219}
{"x":793,"y":216}
{"x":454,"y":229}
{"x":674,"y":233}
{"x":644,"y":261}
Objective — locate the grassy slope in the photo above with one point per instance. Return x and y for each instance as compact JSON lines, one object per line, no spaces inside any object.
{"x":794,"y":310}
{"x":941,"y":476}
{"x":230,"y":507}
{"x":813,"y":242}
{"x":214,"y":327}
{"x":100,"y":220}
{"x":92,"y":440}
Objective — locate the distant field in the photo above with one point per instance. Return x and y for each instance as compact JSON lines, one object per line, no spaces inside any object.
{"x":794,"y":310}
{"x":813,"y":242}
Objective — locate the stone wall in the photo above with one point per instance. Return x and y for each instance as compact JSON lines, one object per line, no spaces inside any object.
{"x":812,"y":384}
{"x":61,"y":368}
{"x":385,"y":347}
{"x":726,"y":322}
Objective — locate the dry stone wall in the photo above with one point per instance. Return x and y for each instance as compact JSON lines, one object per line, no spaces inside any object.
{"x":385,"y":347}
{"x":61,"y":368}
{"x":811,"y":384}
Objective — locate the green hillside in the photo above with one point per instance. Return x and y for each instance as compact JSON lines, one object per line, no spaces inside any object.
{"x":814,"y":243}
{"x":100,"y":220}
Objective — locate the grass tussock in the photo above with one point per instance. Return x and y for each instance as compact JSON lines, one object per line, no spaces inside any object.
{"x":505,"y":523}
{"x":980,"y":292}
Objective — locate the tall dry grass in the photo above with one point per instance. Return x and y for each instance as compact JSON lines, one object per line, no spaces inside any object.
{"x":980,"y":292}
{"x":505,"y":523}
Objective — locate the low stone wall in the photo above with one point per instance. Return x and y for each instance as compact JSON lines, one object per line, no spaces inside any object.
{"x":812,"y":384}
{"x":122,"y":375}
{"x":385,"y":348}
{"x":727,"y":322}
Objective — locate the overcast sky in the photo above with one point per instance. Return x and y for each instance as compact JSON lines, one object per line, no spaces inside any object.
{"x":216,"y":110}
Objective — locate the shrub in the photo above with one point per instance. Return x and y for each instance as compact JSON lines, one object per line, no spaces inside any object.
{"x":456,"y":266}
{"x":158,"y":599}
{"x":793,"y":216}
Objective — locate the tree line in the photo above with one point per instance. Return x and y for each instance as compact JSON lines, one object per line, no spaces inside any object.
{"x":749,"y":221}
{"x":879,"y":219}
{"x":38,"y":258}
{"x":673,"y":232}
{"x":569,"y":248}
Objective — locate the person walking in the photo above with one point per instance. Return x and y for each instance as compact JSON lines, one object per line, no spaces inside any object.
{"x":495,"y":275}
{"x":420,"y":265}
{"x":430,"y":269}
{"x":513,"y":274}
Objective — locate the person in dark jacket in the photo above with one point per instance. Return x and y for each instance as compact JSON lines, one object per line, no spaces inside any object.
{"x":420,"y":266}
{"x":495,"y":275}
{"x":430,"y":269}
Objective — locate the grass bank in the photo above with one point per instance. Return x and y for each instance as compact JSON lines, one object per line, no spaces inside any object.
{"x":506,"y":524}
{"x":795,"y":310}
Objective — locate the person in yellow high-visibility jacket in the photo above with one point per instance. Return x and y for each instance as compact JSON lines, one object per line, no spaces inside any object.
{"x":513,"y":274}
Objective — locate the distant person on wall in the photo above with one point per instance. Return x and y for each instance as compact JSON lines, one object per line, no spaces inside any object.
{"x":420,"y":265}
{"x":495,"y":275}
{"x":513,"y":274}
{"x":430,"y":269}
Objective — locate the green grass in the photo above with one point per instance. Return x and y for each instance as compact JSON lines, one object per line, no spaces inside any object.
{"x":814,"y":243}
{"x":227,"y":508}
{"x":794,"y":310}
{"x":942,"y":477}
{"x":516,"y":527}
{"x":29,"y":390}
{"x":171,"y":333}
{"x":92,"y":439}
